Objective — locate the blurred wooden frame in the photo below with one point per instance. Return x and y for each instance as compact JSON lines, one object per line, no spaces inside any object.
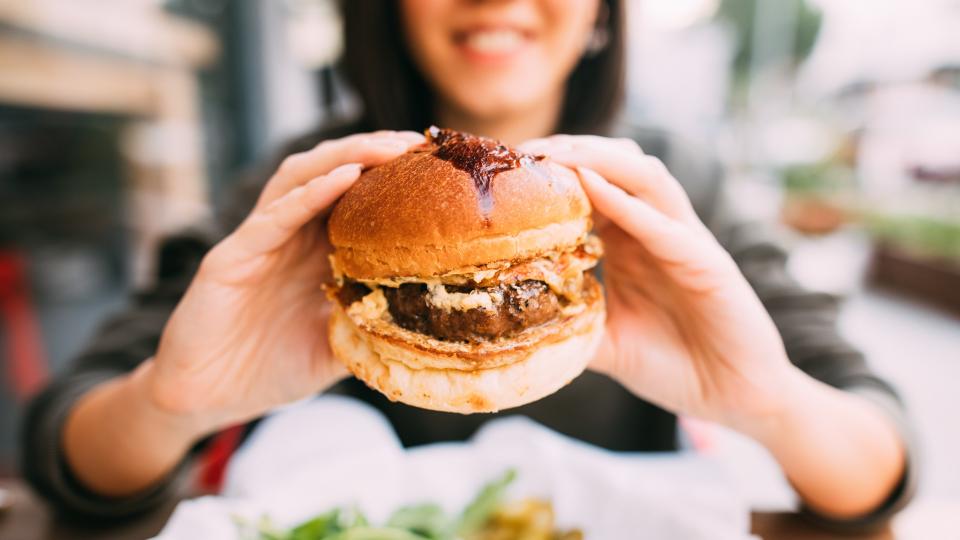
{"x":126,"y":58}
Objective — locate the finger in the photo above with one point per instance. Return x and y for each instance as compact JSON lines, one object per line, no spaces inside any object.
{"x":691,"y":253}
{"x":622,"y":162}
{"x":603,"y":361}
{"x":329,"y":368}
{"x":554,"y":143}
{"x":411,"y":137}
{"x":368,"y":149}
{"x":662,"y":236}
{"x":627,"y":144}
{"x":270,"y":228}
{"x":623,"y":143}
{"x":638,"y":174}
{"x":543,"y":144}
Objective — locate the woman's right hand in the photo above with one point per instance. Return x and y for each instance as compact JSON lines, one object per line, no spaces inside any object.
{"x":251,"y":332}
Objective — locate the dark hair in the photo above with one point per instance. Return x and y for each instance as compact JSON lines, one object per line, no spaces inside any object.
{"x":395,"y":95}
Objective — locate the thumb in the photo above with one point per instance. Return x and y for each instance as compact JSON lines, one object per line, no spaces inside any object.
{"x":604,"y":360}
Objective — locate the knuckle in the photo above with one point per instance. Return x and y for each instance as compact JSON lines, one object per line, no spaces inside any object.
{"x":273,"y":218}
{"x":210,"y":264}
{"x":349,"y":140}
{"x":297,"y":203}
{"x":629,"y":144}
{"x":326,"y":144}
{"x":371,"y":141}
{"x":288,"y":216}
{"x":291,"y":163}
{"x":594,"y":141}
{"x":657,"y":166}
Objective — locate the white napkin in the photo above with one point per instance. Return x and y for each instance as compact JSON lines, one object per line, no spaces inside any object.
{"x":335,"y":451}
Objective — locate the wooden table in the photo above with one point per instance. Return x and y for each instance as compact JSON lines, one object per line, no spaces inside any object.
{"x":29,"y":519}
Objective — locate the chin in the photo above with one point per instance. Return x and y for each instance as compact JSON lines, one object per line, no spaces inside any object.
{"x":463,"y":277}
{"x":509,"y":100}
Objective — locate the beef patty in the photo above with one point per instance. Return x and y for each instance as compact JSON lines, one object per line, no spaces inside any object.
{"x":524,"y":304}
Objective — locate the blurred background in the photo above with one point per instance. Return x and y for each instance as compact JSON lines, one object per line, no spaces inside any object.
{"x":122,"y":121}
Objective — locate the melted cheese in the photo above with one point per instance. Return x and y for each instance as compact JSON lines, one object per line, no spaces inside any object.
{"x":463,"y":276}
{"x":483,"y":275}
{"x":562,"y":271}
{"x":372,"y":306}
{"x":573,"y":309}
{"x":438,"y":296}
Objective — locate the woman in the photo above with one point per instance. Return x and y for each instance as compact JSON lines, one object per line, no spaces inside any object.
{"x":693,"y":328}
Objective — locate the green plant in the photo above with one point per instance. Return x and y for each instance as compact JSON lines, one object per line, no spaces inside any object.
{"x":817,"y":178}
{"x":927,"y":236}
{"x":742,"y":15}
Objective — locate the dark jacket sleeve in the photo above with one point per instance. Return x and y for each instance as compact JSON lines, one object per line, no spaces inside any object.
{"x":806,"y":320}
{"x":119,"y":346}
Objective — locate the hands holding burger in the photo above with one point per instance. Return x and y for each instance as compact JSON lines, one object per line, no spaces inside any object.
{"x":461,"y":281}
{"x":684,"y":329}
{"x":246,"y":337}
{"x":249,"y":334}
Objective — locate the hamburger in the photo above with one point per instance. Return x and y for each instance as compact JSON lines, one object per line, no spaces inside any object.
{"x":463,"y":276}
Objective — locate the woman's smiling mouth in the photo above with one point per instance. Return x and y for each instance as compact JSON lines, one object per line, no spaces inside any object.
{"x":492,"y":44}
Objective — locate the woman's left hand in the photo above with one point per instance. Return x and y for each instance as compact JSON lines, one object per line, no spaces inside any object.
{"x":686,"y":332}
{"x":684,"y":328}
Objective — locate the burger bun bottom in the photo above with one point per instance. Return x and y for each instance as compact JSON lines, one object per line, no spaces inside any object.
{"x":541,"y":371}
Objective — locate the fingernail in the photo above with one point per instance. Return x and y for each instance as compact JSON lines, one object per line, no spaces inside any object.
{"x":347,"y":169}
{"x":590,"y":176}
{"x":390,"y":144}
{"x":551,"y":148}
{"x":532,"y":145}
{"x":587,"y":172}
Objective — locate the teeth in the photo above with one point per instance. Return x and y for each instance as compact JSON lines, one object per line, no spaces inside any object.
{"x":494,"y":41}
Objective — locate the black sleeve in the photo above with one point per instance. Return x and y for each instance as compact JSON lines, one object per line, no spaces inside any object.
{"x":119,"y":346}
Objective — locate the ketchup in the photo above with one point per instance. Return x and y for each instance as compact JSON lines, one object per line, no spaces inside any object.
{"x":480,"y":157}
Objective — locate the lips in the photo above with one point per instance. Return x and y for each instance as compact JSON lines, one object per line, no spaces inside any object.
{"x":492,"y":42}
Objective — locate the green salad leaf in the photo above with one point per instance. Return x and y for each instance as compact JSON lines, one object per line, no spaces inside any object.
{"x":364,"y":532}
{"x":321,"y":526}
{"x":416,"y":522}
{"x":476,"y":514}
{"x":427,"y":520}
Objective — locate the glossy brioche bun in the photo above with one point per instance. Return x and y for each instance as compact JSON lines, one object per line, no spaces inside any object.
{"x":418,"y":215}
{"x":469,"y":377}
